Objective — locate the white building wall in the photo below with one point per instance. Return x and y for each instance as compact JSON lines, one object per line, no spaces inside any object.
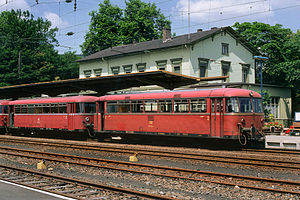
{"x":210,"y":48}
{"x":149,"y":58}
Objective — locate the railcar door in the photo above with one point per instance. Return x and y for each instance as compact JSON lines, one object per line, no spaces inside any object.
{"x":71,"y":112}
{"x":216,"y":117}
{"x":11,"y":116}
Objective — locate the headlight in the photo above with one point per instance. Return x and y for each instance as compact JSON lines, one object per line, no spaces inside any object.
{"x":87,"y":119}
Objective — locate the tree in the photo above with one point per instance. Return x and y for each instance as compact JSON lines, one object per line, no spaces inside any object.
{"x":104,"y":29}
{"x":111,"y":26}
{"x":282,"y":46}
{"x":33,"y":41}
{"x":142,"y":22}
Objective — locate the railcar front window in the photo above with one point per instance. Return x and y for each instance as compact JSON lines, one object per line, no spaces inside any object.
{"x":257,"y":104}
{"x":79,"y":107}
{"x":5,"y":109}
{"x":231,"y":105}
{"x":90,"y":107}
{"x":245,"y":105}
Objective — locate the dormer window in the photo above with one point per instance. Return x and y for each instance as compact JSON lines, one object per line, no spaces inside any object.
{"x":127,"y":69}
{"x":87,"y":73}
{"x":98,"y":72}
{"x":115,"y":70}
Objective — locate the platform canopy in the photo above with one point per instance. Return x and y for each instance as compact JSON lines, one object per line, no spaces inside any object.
{"x":102,"y":84}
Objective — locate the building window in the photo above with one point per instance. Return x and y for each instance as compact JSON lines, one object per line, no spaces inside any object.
{"x":245,"y":72}
{"x":141,"y":67}
{"x":97,"y":72}
{"x":127,"y":69}
{"x":225,"y":70}
{"x":203,"y":65}
{"x":115,"y":70}
{"x":273,"y":107}
{"x":176,"y":65}
{"x":225,"y":49}
{"x":87,"y":73}
{"x":161,"y":64}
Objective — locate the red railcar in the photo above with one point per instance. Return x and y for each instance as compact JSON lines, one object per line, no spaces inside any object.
{"x":217,"y":113}
{"x":3,"y":115}
{"x":76,"y":113}
{"x":213,"y":113}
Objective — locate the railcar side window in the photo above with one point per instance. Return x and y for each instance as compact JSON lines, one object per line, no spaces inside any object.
{"x":90,"y":107}
{"x":231,"y":105}
{"x":46,"y":108}
{"x":257,"y":104}
{"x":245,"y":105}
{"x":198,"y":105}
{"x":38,"y":108}
{"x":165,"y":106}
{"x":151,"y":106}
{"x":137,"y":106}
{"x":31,"y":108}
{"x":181,"y":105}
{"x":112,"y":107}
{"x":17,"y":109}
{"x":62,"y":108}
{"x":124,"y":106}
{"x":54,"y":108}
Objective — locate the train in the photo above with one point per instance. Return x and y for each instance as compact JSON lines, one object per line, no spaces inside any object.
{"x":227,"y":113}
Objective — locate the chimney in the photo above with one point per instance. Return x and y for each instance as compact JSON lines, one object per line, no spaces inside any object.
{"x":199,"y":30}
{"x":166,"y":33}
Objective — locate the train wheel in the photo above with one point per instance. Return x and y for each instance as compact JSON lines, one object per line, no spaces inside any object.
{"x":243,"y":139}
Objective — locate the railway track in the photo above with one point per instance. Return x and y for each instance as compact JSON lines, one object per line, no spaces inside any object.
{"x":274,"y":151}
{"x":169,"y":154}
{"x":250,"y":182}
{"x":70,"y":187}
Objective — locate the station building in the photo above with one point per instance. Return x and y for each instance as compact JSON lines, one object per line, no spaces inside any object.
{"x":211,"y":53}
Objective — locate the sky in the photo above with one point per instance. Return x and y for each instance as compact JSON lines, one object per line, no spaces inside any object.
{"x":204,"y":14}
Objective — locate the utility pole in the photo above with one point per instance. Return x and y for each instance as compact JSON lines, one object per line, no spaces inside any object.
{"x":189,"y":18}
{"x":19,"y":63}
{"x":261,"y":59}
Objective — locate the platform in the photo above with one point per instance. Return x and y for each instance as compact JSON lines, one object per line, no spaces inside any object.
{"x":282,"y":142}
{"x":11,"y":191}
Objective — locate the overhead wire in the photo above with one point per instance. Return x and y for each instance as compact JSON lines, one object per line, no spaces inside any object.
{"x":241,"y":16}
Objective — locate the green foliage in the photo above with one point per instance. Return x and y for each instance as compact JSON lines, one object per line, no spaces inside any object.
{"x":112,"y":26}
{"x":104,"y":28}
{"x":282,"y":46}
{"x":34,"y":40}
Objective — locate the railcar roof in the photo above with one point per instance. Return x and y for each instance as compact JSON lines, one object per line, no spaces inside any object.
{"x":4,"y":102}
{"x":220,"y":92}
{"x":56,"y":100}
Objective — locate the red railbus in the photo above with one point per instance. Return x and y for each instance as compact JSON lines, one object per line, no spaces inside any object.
{"x":226,"y":113}
{"x":216,"y":113}
{"x":75,"y":113}
{"x":3,"y":115}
